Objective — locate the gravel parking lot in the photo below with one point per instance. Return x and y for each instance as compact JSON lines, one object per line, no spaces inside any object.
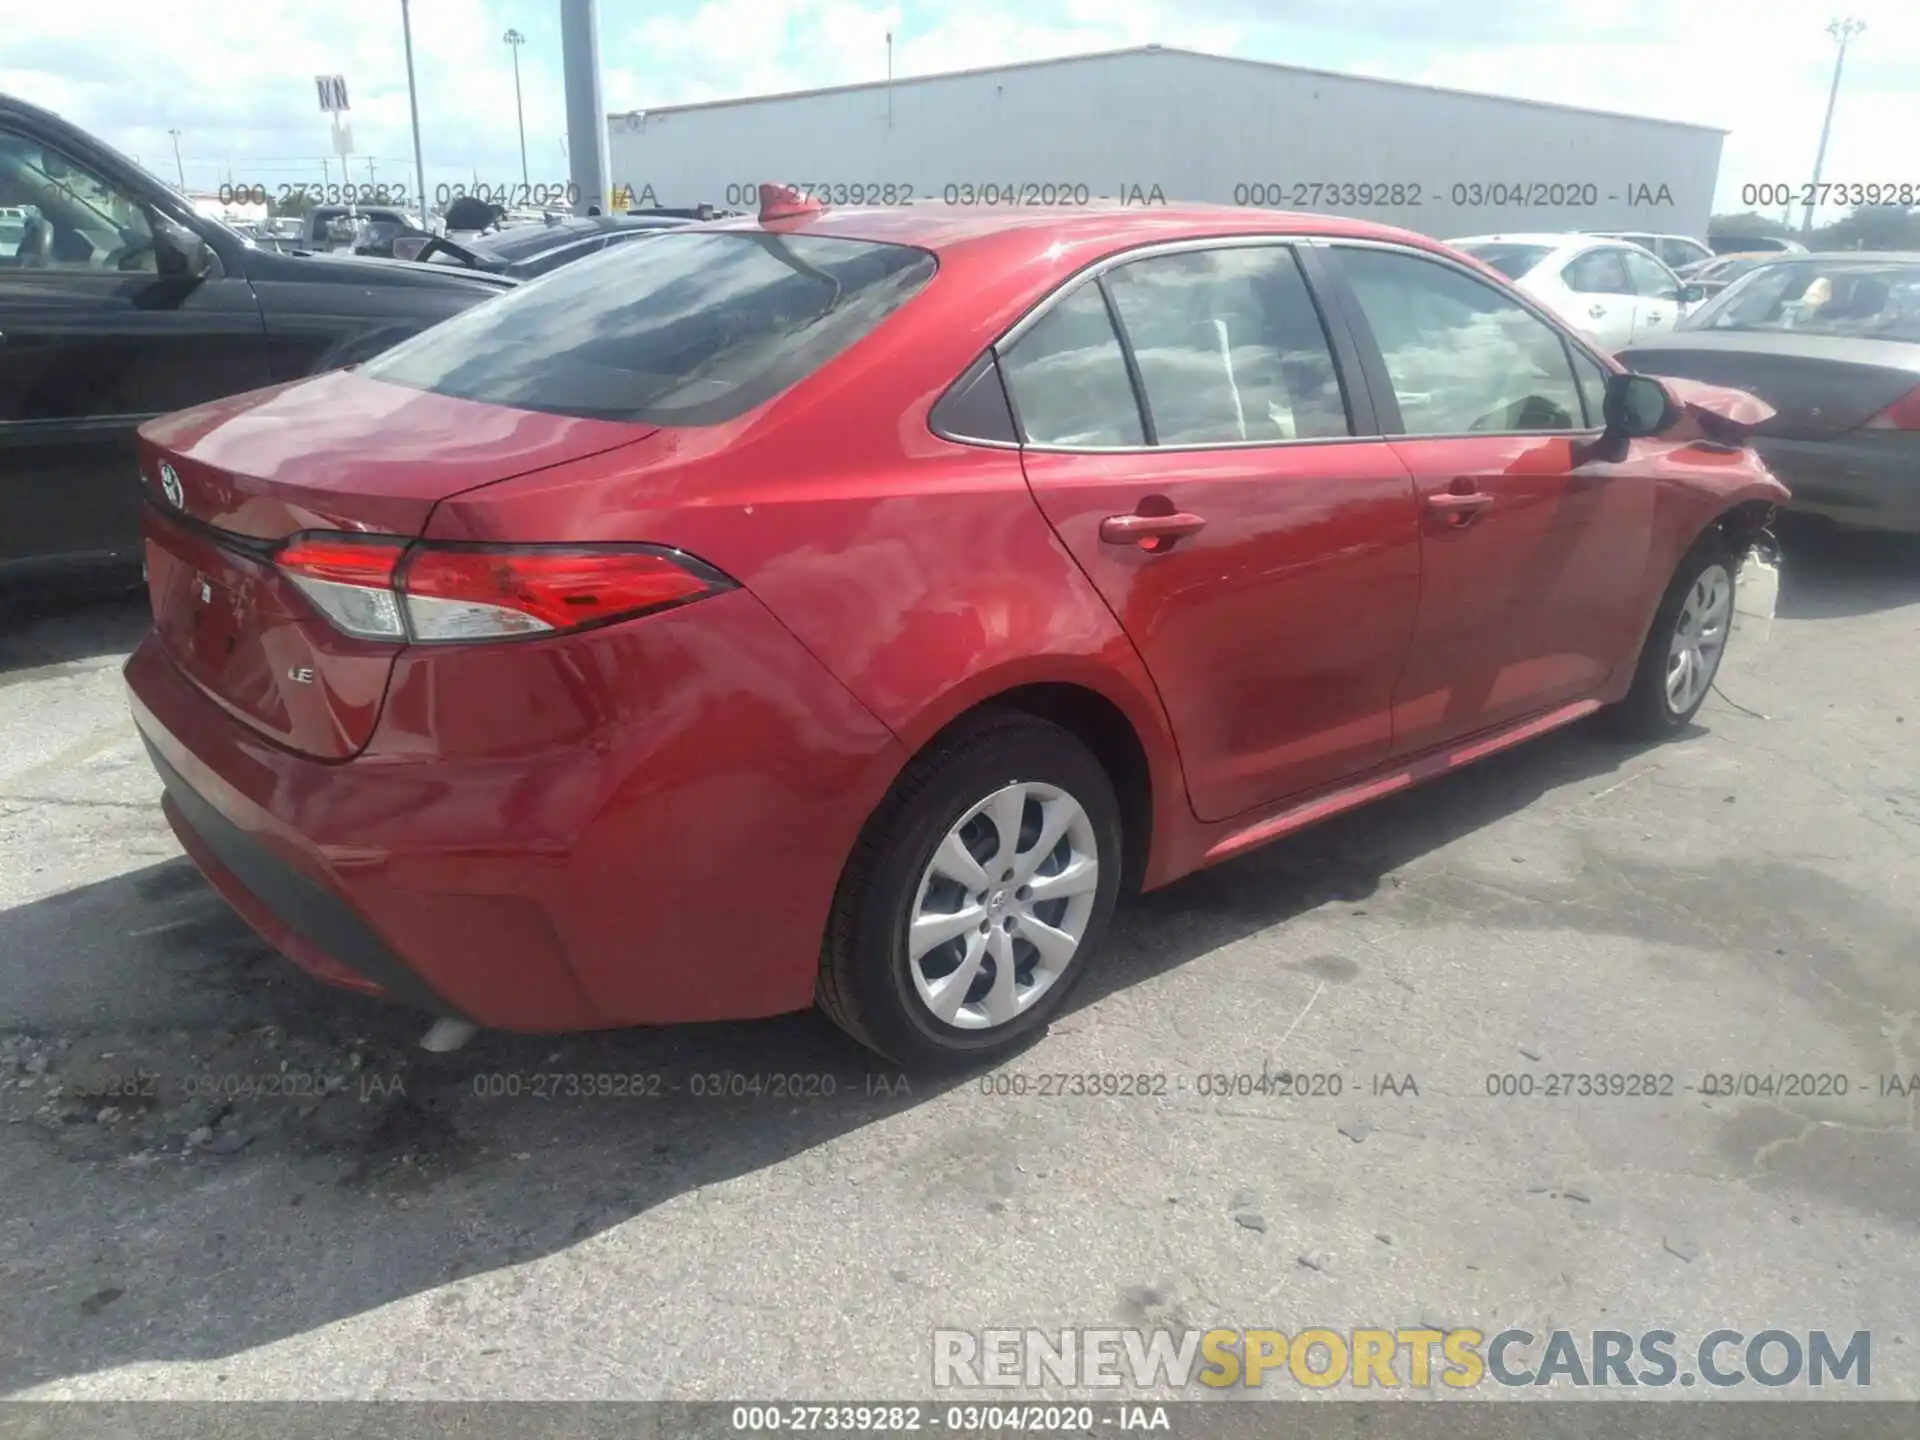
{"x":373,"y":1220}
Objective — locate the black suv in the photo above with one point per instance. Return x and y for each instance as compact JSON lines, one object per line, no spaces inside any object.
{"x":119,"y":302}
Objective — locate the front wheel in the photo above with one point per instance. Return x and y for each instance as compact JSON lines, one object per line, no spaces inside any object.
{"x":976,"y":897}
{"x":1683,"y":648}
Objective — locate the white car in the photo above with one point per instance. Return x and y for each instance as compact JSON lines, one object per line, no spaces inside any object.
{"x":1613,"y":290}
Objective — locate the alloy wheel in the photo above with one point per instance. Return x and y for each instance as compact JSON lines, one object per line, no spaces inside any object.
{"x":1003,"y":905}
{"x":1699,"y":635}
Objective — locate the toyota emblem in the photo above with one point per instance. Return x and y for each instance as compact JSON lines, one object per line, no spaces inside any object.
{"x":170,"y":483}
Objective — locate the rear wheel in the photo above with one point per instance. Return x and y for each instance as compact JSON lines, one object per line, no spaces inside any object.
{"x":976,"y":897}
{"x":1683,"y":647}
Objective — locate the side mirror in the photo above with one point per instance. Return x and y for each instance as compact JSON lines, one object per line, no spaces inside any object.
{"x":1638,"y":406}
{"x":179,"y":253}
{"x":1692,"y":294}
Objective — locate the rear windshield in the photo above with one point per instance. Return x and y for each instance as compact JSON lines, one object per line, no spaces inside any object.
{"x":1860,"y":299}
{"x":1512,"y":261}
{"x":688,"y":329}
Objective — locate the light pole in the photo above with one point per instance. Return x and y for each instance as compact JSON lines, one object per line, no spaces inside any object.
{"x":586,"y":110}
{"x":1843,"y":31}
{"x":514,"y":41}
{"x":413,"y":104}
{"x":178,"y":168}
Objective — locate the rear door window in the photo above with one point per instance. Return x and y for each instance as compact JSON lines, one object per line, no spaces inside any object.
{"x":1229,"y":347}
{"x":1068,"y":378}
{"x":688,"y":329}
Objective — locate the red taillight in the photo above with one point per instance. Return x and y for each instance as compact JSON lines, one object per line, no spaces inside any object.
{"x":478,"y":594}
{"x":1903,"y":414}
{"x":448,"y":593}
{"x":349,"y":580}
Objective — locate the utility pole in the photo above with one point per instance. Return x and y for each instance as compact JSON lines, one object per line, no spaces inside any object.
{"x":413,"y":104}
{"x":514,"y":41}
{"x":178,"y":168}
{"x":1843,"y":31}
{"x":889,"y":79}
{"x":370,"y":175}
{"x":586,"y":113}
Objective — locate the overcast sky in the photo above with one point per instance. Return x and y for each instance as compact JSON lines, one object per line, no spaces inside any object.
{"x":236,"y":79}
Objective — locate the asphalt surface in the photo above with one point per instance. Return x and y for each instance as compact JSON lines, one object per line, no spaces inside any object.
{"x":1740,"y":900}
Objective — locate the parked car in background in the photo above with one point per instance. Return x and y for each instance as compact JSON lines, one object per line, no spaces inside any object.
{"x":345,"y":227}
{"x":1613,"y":290}
{"x":1754,"y":245}
{"x":1832,"y":343}
{"x":1676,"y":252}
{"x":529,"y":250}
{"x":13,"y":229}
{"x":1713,"y":275}
{"x":120,"y":303}
{"x":846,"y":606}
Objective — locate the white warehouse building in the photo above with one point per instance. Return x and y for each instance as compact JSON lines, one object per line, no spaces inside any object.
{"x":1157,"y":124}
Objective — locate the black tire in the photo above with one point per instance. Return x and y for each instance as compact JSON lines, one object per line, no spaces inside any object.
{"x":1646,"y":712}
{"x":866,"y":985}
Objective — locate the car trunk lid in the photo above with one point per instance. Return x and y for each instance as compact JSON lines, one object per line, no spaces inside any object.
{"x":226,"y":484}
{"x":1819,"y":386}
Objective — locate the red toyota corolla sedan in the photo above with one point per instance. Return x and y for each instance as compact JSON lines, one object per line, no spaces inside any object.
{"x":846,"y":606}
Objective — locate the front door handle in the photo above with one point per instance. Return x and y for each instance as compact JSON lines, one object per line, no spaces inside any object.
{"x":1459,"y":506}
{"x":1596,"y":311}
{"x":1145,"y":529}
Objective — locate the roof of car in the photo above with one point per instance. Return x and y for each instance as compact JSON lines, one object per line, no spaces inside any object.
{"x":936,"y":226}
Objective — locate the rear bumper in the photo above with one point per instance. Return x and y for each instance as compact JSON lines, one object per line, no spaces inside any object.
{"x":641,"y":824}
{"x":1865,"y":479}
{"x":298,"y":915}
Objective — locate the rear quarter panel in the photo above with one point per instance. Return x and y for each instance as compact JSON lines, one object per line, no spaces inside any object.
{"x":918,"y":571}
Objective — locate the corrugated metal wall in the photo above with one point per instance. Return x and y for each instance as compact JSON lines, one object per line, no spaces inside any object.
{"x":1141,"y":125}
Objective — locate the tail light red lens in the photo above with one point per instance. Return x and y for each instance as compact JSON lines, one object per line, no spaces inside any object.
{"x":1903,"y":414}
{"x":483,"y":594}
{"x":387,"y":589}
{"x":349,"y":580}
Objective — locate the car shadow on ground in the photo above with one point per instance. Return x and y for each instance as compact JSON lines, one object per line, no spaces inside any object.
{"x":288,"y":1156}
{"x":74,"y":618}
{"x":1829,"y":572}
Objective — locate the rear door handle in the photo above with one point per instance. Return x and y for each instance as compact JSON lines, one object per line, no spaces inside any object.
{"x":1137,"y":529}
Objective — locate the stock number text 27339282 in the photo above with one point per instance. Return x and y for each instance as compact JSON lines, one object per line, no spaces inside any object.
{"x":283,"y":194}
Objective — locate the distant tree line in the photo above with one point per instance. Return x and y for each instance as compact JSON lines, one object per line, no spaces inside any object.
{"x":1866,"y":227}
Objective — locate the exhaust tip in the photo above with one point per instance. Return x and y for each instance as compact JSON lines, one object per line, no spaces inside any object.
{"x":447,"y":1034}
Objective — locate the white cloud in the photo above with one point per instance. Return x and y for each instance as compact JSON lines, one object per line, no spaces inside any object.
{"x":1762,"y":73}
{"x":237,"y":79}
